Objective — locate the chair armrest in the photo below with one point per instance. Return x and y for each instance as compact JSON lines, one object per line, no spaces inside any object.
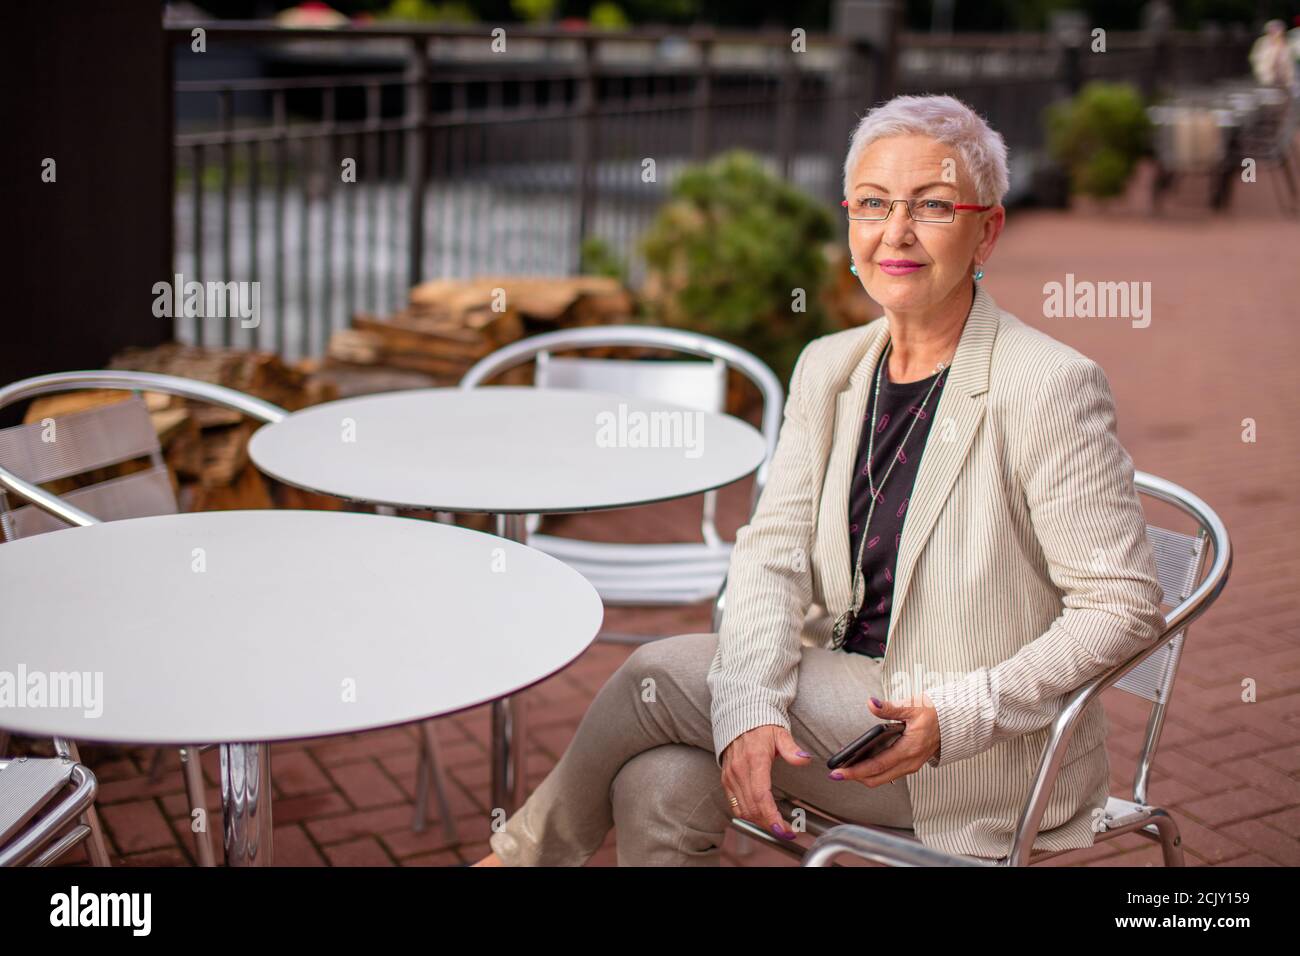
{"x":882,"y":848}
{"x":230,"y":398}
{"x":30,"y":388}
{"x":720,"y":604}
{"x":46,"y":501}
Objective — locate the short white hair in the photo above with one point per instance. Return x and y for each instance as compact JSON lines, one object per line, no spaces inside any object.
{"x":951,"y":122}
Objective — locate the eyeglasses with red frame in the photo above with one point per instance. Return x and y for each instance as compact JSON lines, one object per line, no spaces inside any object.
{"x":938,"y":210}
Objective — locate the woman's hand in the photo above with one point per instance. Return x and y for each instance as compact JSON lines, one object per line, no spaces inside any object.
{"x":747,"y":774}
{"x":918,"y":743}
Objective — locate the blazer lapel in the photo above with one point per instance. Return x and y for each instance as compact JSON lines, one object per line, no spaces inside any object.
{"x":957,"y":418}
{"x":833,"y":520}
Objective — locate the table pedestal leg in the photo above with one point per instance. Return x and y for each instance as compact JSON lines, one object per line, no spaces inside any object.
{"x":508,"y":742}
{"x":246,"y":803}
{"x":508,"y":791}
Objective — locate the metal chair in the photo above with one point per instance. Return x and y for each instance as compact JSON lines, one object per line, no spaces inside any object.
{"x":642,"y":574}
{"x":109,"y":435}
{"x":43,"y":806}
{"x":637,"y":574}
{"x":1189,"y":590}
{"x":81,"y":442}
{"x":1268,"y":139}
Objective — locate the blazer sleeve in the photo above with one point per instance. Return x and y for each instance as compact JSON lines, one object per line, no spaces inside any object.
{"x":754,"y":672}
{"x":1078,"y":484}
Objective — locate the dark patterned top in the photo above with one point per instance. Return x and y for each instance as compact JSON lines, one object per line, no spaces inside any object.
{"x":899,"y":405}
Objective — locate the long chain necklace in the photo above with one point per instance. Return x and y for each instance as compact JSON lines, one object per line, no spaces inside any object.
{"x":859,"y":581}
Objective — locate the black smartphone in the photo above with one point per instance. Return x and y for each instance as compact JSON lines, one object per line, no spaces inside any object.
{"x":869,"y":744}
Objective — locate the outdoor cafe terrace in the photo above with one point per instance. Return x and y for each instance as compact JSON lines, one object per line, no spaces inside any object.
{"x":1230,"y":773}
{"x":337,"y":214}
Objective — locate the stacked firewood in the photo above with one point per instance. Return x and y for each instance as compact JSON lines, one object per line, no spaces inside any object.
{"x":205,"y":446}
{"x":449,"y":324}
{"x":446,"y":326}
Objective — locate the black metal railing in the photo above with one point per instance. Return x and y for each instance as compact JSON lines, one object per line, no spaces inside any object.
{"x":472,"y":161}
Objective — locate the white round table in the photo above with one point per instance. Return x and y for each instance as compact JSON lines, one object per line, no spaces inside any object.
{"x":510,"y":451}
{"x":243,"y":627}
{"x":506,"y":450}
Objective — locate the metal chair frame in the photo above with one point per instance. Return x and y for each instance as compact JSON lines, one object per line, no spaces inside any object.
{"x":588,"y":557}
{"x":258,"y":410}
{"x":38,"y":782}
{"x":1269,"y":139}
{"x":1190,"y":590}
{"x":682,"y":572}
{"x":52,"y":504}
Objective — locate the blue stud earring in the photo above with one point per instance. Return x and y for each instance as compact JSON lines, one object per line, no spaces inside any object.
{"x":979,"y":274}
{"x":852,"y":267}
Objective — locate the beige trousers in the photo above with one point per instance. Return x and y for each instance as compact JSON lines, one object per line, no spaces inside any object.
{"x":642,"y":761}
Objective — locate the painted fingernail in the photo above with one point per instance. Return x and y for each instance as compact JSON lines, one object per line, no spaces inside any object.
{"x":836,"y":775}
{"x":876,"y":702}
{"x":803,"y":753}
{"x":778,"y":829}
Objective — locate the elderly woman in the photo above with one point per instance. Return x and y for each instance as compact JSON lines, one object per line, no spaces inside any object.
{"x":949,"y":537}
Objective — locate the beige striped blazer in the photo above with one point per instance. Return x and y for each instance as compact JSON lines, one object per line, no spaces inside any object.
{"x":1023,"y":571}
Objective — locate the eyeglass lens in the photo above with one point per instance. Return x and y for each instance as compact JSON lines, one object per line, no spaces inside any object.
{"x":875,"y":208}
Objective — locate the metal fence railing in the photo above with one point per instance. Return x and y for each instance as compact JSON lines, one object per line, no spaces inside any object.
{"x":468,"y":160}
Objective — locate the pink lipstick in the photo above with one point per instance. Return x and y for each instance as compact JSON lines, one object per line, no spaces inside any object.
{"x":899,"y":267}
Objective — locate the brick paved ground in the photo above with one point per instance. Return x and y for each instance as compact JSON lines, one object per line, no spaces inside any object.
{"x":1222,"y":346}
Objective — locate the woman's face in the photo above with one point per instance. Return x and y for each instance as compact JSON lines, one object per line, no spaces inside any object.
{"x":915,"y":166}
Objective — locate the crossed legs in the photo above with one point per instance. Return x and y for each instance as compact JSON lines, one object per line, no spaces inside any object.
{"x":642,"y":760}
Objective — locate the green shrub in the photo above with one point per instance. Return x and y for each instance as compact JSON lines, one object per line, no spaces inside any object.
{"x":426,"y":11}
{"x":728,"y":252}
{"x":1099,"y":136}
{"x":599,"y":259}
{"x":608,"y":16}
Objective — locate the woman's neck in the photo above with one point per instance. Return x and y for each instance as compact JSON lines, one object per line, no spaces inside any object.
{"x":920,"y":342}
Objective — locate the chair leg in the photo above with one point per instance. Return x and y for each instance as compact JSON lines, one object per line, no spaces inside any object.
{"x":96,"y":845}
{"x":1275,"y":186}
{"x":1171,"y":841}
{"x":1290,"y":181}
{"x":429,"y":769}
{"x":196,"y":792}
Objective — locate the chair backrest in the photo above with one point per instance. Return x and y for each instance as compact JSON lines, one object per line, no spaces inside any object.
{"x":1180,"y":559}
{"x":1267,"y":136}
{"x":1191,"y":590}
{"x":1188,"y":589}
{"x":83,"y":441}
{"x":693,"y":384}
{"x":699,"y":385}
{"x":94,"y":438}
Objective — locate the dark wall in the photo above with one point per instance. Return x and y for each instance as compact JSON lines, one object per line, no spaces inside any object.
{"x":86,"y":83}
